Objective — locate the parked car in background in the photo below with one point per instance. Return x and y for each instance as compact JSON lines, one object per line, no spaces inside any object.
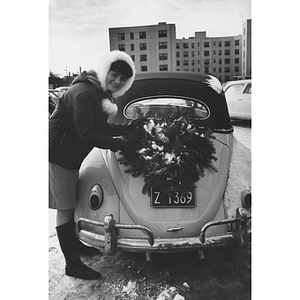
{"x":175,"y":192}
{"x":62,"y":89}
{"x":238,"y":96}
{"x":53,"y":96}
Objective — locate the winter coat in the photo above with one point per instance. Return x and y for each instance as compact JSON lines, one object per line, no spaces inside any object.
{"x":80,"y":120}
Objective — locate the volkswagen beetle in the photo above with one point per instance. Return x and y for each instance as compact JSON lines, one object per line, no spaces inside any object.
{"x":188,"y":185}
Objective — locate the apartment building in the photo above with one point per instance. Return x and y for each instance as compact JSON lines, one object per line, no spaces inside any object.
{"x":151,"y":47}
{"x":155,"y":48}
{"x":246,"y":50}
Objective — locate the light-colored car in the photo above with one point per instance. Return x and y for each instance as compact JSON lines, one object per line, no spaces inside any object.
{"x":238,"y":96}
{"x":62,"y":89}
{"x":177,"y":192}
{"x":53,"y":96}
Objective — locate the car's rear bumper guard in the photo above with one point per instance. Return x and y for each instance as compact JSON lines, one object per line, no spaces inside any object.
{"x":110,"y":241}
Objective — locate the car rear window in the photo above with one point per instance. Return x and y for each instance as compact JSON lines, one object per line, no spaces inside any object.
{"x":165,"y":105}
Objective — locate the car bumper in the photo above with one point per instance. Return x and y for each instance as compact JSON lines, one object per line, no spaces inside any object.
{"x":109,"y":242}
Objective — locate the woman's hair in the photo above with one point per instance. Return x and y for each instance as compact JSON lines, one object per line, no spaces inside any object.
{"x":121,"y":67}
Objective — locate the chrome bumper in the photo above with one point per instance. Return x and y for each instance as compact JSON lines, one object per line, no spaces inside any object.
{"x":110,"y":241}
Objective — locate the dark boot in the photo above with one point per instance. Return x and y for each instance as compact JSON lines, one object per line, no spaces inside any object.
{"x":68,"y":244}
{"x":82,"y":248}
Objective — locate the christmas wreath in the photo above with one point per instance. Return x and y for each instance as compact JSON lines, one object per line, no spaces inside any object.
{"x":173,"y":152}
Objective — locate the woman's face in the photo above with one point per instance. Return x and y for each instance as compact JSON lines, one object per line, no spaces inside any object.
{"x":114,"y":81}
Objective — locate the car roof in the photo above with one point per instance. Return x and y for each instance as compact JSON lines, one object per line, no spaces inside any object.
{"x":237,"y":82}
{"x":171,"y":75}
{"x":181,"y":84}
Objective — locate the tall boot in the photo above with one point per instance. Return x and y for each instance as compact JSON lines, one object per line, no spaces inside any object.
{"x":74,"y":266}
{"x":82,"y":248}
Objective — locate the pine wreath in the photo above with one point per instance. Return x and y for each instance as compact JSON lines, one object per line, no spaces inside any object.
{"x":174,"y":152}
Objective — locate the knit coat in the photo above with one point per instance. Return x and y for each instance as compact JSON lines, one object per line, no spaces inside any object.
{"x":80,"y":121}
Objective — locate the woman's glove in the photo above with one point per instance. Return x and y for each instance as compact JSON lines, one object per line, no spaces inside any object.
{"x":134,"y":123}
{"x":125,"y":147}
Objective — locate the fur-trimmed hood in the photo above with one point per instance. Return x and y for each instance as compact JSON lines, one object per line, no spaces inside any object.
{"x":104,"y":67}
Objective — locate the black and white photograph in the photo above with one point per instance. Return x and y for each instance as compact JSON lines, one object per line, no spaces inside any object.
{"x":150,"y":149}
{"x":132,"y":142}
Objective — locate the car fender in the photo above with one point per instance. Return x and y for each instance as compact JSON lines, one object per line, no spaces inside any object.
{"x":94,"y":172}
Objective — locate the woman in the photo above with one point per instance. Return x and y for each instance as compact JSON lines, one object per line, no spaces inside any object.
{"x":78,"y":124}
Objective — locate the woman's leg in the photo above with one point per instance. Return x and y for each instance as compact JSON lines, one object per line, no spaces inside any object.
{"x":69,"y":245}
{"x":64,"y":216}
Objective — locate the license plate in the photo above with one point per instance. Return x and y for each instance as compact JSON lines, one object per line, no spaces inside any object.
{"x":182,"y":199}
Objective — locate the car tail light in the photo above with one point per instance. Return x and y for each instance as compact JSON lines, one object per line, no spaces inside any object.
{"x":246,"y":199}
{"x":96,"y":197}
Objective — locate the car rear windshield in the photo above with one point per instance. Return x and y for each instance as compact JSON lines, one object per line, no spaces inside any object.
{"x":164,"y":105}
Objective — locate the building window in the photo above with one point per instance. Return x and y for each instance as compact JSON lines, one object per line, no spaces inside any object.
{"x":206,"y":53}
{"x":193,"y":45}
{"x":206,"y":62}
{"x":220,"y":52}
{"x":185,"y":45}
{"x":237,"y":60}
{"x":177,"y":54}
{"x":220,"y":70}
{"x":131,"y":35}
{"x":237,"y":51}
{"x":193,"y":53}
{"x":214,"y":43}
{"x":121,"y":36}
{"x":132,"y":47}
{"x":227,"y":78}
{"x":177,"y":45}
{"x":142,"y":34}
{"x":227,"y":43}
{"x":215,"y":52}
{"x":144,"y":68}
{"x":206,"y":44}
{"x":227,"y":61}
{"x":227,"y":52}
{"x":121,"y":47}
{"x":133,"y":58}
{"x":162,"y":33}
{"x":236,"y":42}
{"x":193,"y":62}
{"x":143,"y":57}
{"x":163,"y":56}
{"x":178,"y":63}
{"x":143,"y":46}
{"x":220,"y":43}
{"x":206,"y":70}
{"x":185,"y":54}
{"x":236,"y":69}
{"x":185,"y":62}
{"x":163,"y":67}
{"x":162,"y":45}
{"x":227,"y":69}
{"x":220,"y":61}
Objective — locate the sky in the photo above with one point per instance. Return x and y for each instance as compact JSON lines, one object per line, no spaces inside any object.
{"x":78,"y":29}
